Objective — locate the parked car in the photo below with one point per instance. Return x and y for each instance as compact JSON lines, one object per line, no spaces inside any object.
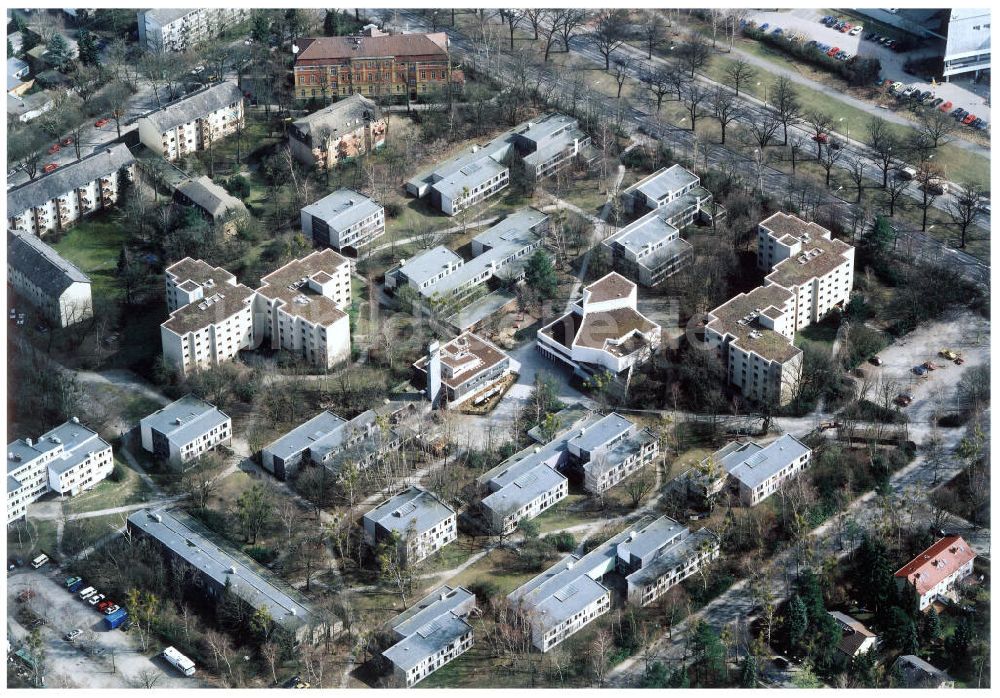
{"x":54,"y":148}
{"x":875,"y":361}
{"x":969,"y":119}
{"x":958,"y":113}
{"x":111,"y":609}
{"x":937,"y":102}
{"x":919,"y":370}
{"x":101,"y":122}
{"x":826,"y":18}
{"x":105,"y":604}
{"x":833,"y":51}
{"x":930,"y":365}
{"x":959,"y":361}
{"x":821,"y":137}
{"x":51,"y":167}
{"x":835,"y":145}
{"x":70,"y":581}
{"x":870,"y":35}
{"x":37,"y":623}
{"x":68,"y":140}
{"x":945,"y":107}
{"x":777,"y":30}
{"x":856,"y":30}
{"x":904,"y":399}
{"x":896,"y":87}
{"x":980,"y":124}
{"x":928,"y":100}
{"x":811,"y":43}
{"x":96,"y":599}
{"x":72,"y":635}
{"x":13,"y":314}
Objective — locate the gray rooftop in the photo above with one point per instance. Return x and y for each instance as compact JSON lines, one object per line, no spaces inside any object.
{"x":182,"y":536}
{"x":650,"y":538}
{"x":77,"y":442}
{"x":428,"y":264}
{"x":606,"y":459}
{"x":186,"y":419}
{"x":664,"y":181}
{"x":546,"y":127}
{"x":195,"y":106}
{"x":645,"y":233}
{"x":472,"y":159}
{"x":343,"y":115}
{"x":430,"y":607}
{"x":19,"y":453}
{"x":342,"y":209}
{"x":415,"y":507}
{"x":524,"y":489}
{"x":68,"y":178}
{"x":752,"y":464}
{"x":604,"y":430}
{"x":305,"y":435}
{"x":40,"y":263}
{"x":469,"y":176}
{"x":428,"y":627}
{"x":162,"y":15}
{"x":677,"y":552}
{"x":918,"y":673}
{"x":211,"y":197}
{"x":962,"y":38}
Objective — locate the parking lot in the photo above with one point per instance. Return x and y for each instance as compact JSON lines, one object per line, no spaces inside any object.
{"x":806,"y":23}
{"x":87,"y":662}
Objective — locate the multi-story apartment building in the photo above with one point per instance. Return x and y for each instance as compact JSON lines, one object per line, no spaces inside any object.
{"x":193,"y":122}
{"x":56,"y":287}
{"x":422,"y":522}
{"x":184,"y":430}
{"x":470,"y":367}
{"x":649,"y":250}
{"x":674,"y":191}
{"x":934,"y":573}
{"x":602,"y":332}
{"x":389,"y":66}
{"x":524,"y":485}
{"x":331,"y":441}
{"x":163,"y":29}
{"x":346,"y":129}
{"x":212,"y":569}
{"x":212,"y":202}
{"x":803,"y":258}
{"x":430,"y":634}
{"x":752,"y":335}
{"x":610,"y":450}
{"x":68,"y":460}
{"x":441,"y":276}
{"x":343,"y":219}
{"x":753,"y":472}
{"x":302,"y":306}
{"x":540,"y":148}
{"x":652,"y":556}
{"x":56,"y":200}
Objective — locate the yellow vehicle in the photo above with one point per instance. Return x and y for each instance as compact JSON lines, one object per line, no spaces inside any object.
{"x":948,"y":354}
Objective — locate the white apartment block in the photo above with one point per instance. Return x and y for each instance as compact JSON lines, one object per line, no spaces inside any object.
{"x":602,"y":332}
{"x":661,"y":555}
{"x":56,"y":200}
{"x":755,"y":472}
{"x":36,"y":272}
{"x":342,"y":219}
{"x":676,"y":193}
{"x":610,"y":450}
{"x":422,"y":522}
{"x":163,"y":29}
{"x":193,"y":122}
{"x":430,"y":634}
{"x":649,"y":250}
{"x":803,"y":258}
{"x":184,"y":430}
{"x":69,"y":459}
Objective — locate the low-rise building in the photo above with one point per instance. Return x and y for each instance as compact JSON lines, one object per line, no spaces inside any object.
{"x":344,"y":130}
{"x":53,"y":285}
{"x":674,"y":191}
{"x":602,"y":332}
{"x":470,"y":368}
{"x":184,"y":430}
{"x":430,"y":634}
{"x":193,"y":122}
{"x":28,"y":107}
{"x":524,"y":485}
{"x":56,"y":200}
{"x":649,"y":250}
{"x":332,"y":442}
{"x":421,"y":522}
{"x":550,"y":143}
{"x":914,"y":672}
{"x":17,"y":77}
{"x":610,"y":450}
{"x":68,"y":460}
{"x":213,"y":203}
{"x":753,"y":472}
{"x":164,"y":30}
{"x":213,"y":569}
{"x":935,"y":573}
{"x":856,"y":638}
{"x":342,"y":219}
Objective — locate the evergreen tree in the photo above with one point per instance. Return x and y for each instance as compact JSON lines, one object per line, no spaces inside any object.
{"x":748,"y":672}
{"x":709,"y":655}
{"x":900,"y":632}
{"x":260,"y":27}
{"x":331,"y":23}
{"x":29,"y":40}
{"x":812,"y":595}
{"x":876,"y":576}
{"x":10,"y":48}
{"x":863,"y":668}
{"x":958,"y":644}
{"x":679,"y":678}
{"x":798,"y":622}
{"x":540,"y":275}
{"x":932,"y":627}
{"x":89,"y":54}
{"x":59,"y":54}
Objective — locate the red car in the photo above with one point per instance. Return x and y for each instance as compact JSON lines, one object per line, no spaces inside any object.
{"x":100,"y":122}
{"x":821,"y":138}
{"x":833,"y":52}
{"x":68,"y":140}
{"x":846,"y":28}
{"x":104,"y":604}
{"x":50,"y":167}
{"x":969,"y":119}
{"x":54,"y":148}
{"x":946,"y":106}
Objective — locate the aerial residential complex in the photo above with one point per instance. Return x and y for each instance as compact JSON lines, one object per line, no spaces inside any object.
{"x":68,"y":460}
{"x":193,"y":122}
{"x":602,"y":332}
{"x":398,"y":66}
{"x":163,"y":29}
{"x":421,"y":522}
{"x":469,"y":367}
{"x":430,"y":634}
{"x":332,"y":442}
{"x":674,"y":191}
{"x":184,"y":430}
{"x":569,"y":595}
{"x":56,"y":200}
{"x":649,"y":250}
{"x":39,"y":275}
{"x":346,"y":129}
{"x":342,"y":219}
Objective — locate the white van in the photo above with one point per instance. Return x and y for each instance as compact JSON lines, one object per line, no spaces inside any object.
{"x":182,"y":663}
{"x":89,"y":591}
{"x":39,"y":561}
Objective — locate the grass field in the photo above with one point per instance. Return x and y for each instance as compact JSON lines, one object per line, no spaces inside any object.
{"x":108,"y":494}
{"x":93,"y":245}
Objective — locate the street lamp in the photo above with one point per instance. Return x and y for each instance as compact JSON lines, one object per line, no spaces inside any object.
{"x":765,"y":91}
{"x":848,"y":130}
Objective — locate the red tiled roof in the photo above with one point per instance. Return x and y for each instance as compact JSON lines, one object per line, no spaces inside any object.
{"x":340,"y":47}
{"x":939,"y":561}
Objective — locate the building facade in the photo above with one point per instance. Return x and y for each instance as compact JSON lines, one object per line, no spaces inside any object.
{"x":184,"y":430}
{"x":68,"y":460}
{"x":649,"y":250}
{"x":934,"y":573}
{"x":421,"y":521}
{"x":753,"y":472}
{"x":343,"y":219}
{"x":471,"y":368}
{"x":193,"y":122}
{"x":399,"y":67}
{"x":53,"y":285}
{"x":57,"y":200}
{"x":163,"y":29}
{"x":342,"y":131}
{"x":674,"y":191}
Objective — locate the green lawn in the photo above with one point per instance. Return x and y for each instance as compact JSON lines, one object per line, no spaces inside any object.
{"x":93,"y":245}
{"x":558,"y":516}
{"x":108,"y":494}
{"x":79,"y":535}
{"x":497,"y":568}
{"x":27,"y":539}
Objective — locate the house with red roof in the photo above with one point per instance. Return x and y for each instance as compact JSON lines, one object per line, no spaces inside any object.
{"x":936,"y":571}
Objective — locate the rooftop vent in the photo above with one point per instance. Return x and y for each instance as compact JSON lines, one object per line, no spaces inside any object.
{"x":232,"y":569}
{"x":75,"y":420}
{"x":29,"y":442}
{"x":157,"y":518}
{"x":55,"y":439}
{"x":13,"y":456}
{"x":292,"y":611}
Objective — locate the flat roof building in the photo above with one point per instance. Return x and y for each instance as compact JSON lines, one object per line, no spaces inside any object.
{"x":649,"y":250}
{"x":163,"y":29}
{"x":52,"y":284}
{"x":471,"y":368}
{"x":422,"y":522}
{"x":342,"y":219}
{"x":756,"y":472}
{"x":674,"y":191}
{"x":967,"y":49}
{"x":184,"y":430}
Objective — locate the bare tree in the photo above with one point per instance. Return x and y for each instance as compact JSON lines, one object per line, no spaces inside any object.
{"x":678,"y":81}
{"x":828,"y":158}
{"x":694,"y":97}
{"x":693,"y":53}
{"x":937,"y":126}
{"x":652,"y":30}
{"x":820,"y":124}
{"x":570,"y":24}
{"x":929,"y":180}
{"x":623,"y":66}
{"x":657,"y":81}
{"x":739,"y":73}
{"x":785,"y":101}
{"x":762,"y":126}
{"x":884,"y":146}
{"x":725,"y":107}
{"x":514,"y":18}
{"x":637,"y":488}
{"x":856,"y":170}
{"x":550,"y":22}
{"x":895,"y":193}
{"x":609,"y":33}
{"x":965,"y":205}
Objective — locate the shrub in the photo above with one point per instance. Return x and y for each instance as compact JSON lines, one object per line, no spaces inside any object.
{"x":237,"y":185}
{"x":262,"y":554}
{"x":117,"y":473}
{"x":392,"y":209}
{"x":563,"y":541}
{"x":857,"y":71}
